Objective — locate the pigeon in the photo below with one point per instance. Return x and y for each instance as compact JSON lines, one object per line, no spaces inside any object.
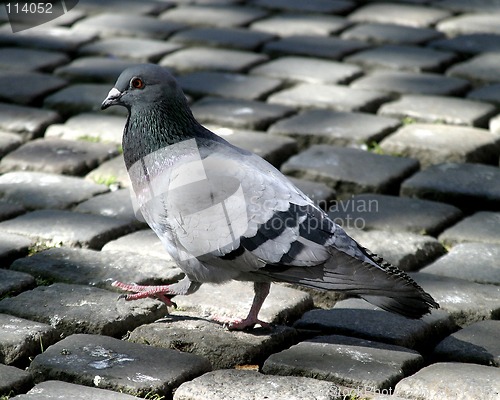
{"x":223,"y":213}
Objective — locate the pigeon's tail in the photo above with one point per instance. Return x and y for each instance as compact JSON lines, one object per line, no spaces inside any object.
{"x":374,"y":280}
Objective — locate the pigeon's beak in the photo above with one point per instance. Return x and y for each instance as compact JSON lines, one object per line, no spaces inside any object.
{"x":113,"y":98}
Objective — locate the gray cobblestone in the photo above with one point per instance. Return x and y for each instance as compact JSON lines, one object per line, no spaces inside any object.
{"x":89,"y":267}
{"x":489,"y":93}
{"x":54,"y":39}
{"x":137,"y":49}
{"x":355,"y":171}
{"x":467,"y":186}
{"x":112,"y":172}
{"x":339,"y":128}
{"x":73,"y":309}
{"x":378,"y":33}
{"x":404,"y":58}
{"x":230,"y":384}
{"x":28,"y":122}
{"x":392,"y":213}
{"x":90,"y":126}
{"x":228,"y":85}
{"x":355,"y":317}
{"x":469,"y":23}
{"x":301,"y":24}
{"x":78,"y":98}
{"x":27,"y":87}
{"x":314,"y":46}
{"x":58,"y":156}
{"x":467,"y":381}
{"x":478,"y":69}
{"x":479,"y":227}
{"x":9,"y":142}
{"x":13,"y":282}
{"x":245,"y":114}
{"x":138,"y":7}
{"x":54,"y":227}
{"x":476,"y":344}
{"x":238,"y":38}
{"x":473,"y":43}
{"x":440,"y":109}
{"x":50,"y":390}
{"x":42,"y":190}
{"x":477,"y":262}
{"x":13,"y":380}
{"x":460,"y":6}
{"x":210,"y":59}
{"x":403,"y":14}
{"x":319,"y":6}
{"x":336,"y":97}
{"x":222,"y":348}
{"x":305,"y":69}
{"x":403,"y":82}
{"x":16,"y":59}
{"x":129,"y":367}
{"x":438,"y":143}
{"x":13,"y":246}
{"x":346,"y":361}
{"x":214,"y":15}
{"x":22,"y":338}
{"x":109,"y":25}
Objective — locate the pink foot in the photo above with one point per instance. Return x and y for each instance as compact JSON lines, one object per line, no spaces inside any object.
{"x":238,"y":324}
{"x":160,"y":292}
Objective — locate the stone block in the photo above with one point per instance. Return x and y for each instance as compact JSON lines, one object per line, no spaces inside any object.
{"x":9,"y":142}
{"x":214,"y":15}
{"x":314,"y":46}
{"x":389,"y":33}
{"x":301,"y":24}
{"x":143,"y":242}
{"x":477,"y":343}
{"x":478,"y":69}
{"x":335,"y":97}
{"x":12,"y":247}
{"x":403,"y":82}
{"x":90,"y":126}
{"x":58,"y":156}
{"x":469,"y":44}
{"x":129,"y":25}
{"x":355,"y":317}
{"x":306,"y":69}
{"x":13,"y":380}
{"x":393,"y":213}
{"x":206,"y":58}
{"x":54,"y":227}
{"x":235,"y":38}
{"x":350,"y":170}
{"x":99,"y":269}
{"x":482,"y":226}
{"x":107,"y":363}
{"x":403,"y":58}
{"x":35,"y":190}
{"x":437,"y":143}
{"x":28,"y":122}
{"x":228,"y":85}
{"x":465,"y":381}
{"x":73,"y":309}
{"x":231,"y":384}
{"x":401,"y":14}
{"x":238,"y":113}
{"x":469,"y":23}
{"x":477,"y":262}
{"x":467,"y":186}
{"x":19,"y":59}
{"x":137,"y":49}
{"x":337,"y":128}
{"x":223,"y":348}
{"x":346,"y":361}
{"x":13,"y":282}
{"x":307,"y":6}
{"x":439,"y":109}
{"x":22,"y":338}
{"x":112,"y":173}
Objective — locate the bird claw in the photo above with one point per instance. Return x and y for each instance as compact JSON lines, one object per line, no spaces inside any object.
{"x":142,"y":291}
{"x":238,"y":324}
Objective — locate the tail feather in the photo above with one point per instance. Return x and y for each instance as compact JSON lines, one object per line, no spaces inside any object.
{"x":378,"y":282}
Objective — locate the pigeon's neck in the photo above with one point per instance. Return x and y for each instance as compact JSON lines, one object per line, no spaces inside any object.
{"x":153,"y":128}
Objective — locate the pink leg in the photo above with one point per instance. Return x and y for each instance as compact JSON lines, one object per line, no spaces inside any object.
{"x":163,"y":293}
{"x":261,"y":292}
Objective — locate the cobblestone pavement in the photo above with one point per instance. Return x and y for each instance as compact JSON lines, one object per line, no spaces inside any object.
{"x":386,"y":114}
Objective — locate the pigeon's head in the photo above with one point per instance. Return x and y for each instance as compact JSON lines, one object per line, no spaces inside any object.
{"x":142,"y":86}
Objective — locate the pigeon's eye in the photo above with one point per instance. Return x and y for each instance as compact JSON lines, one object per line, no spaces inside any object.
{"x":137,"y":83}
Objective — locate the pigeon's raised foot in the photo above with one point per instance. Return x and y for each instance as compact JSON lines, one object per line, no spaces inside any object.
{"x":237,"y":324}
{"x":160,"y":292}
